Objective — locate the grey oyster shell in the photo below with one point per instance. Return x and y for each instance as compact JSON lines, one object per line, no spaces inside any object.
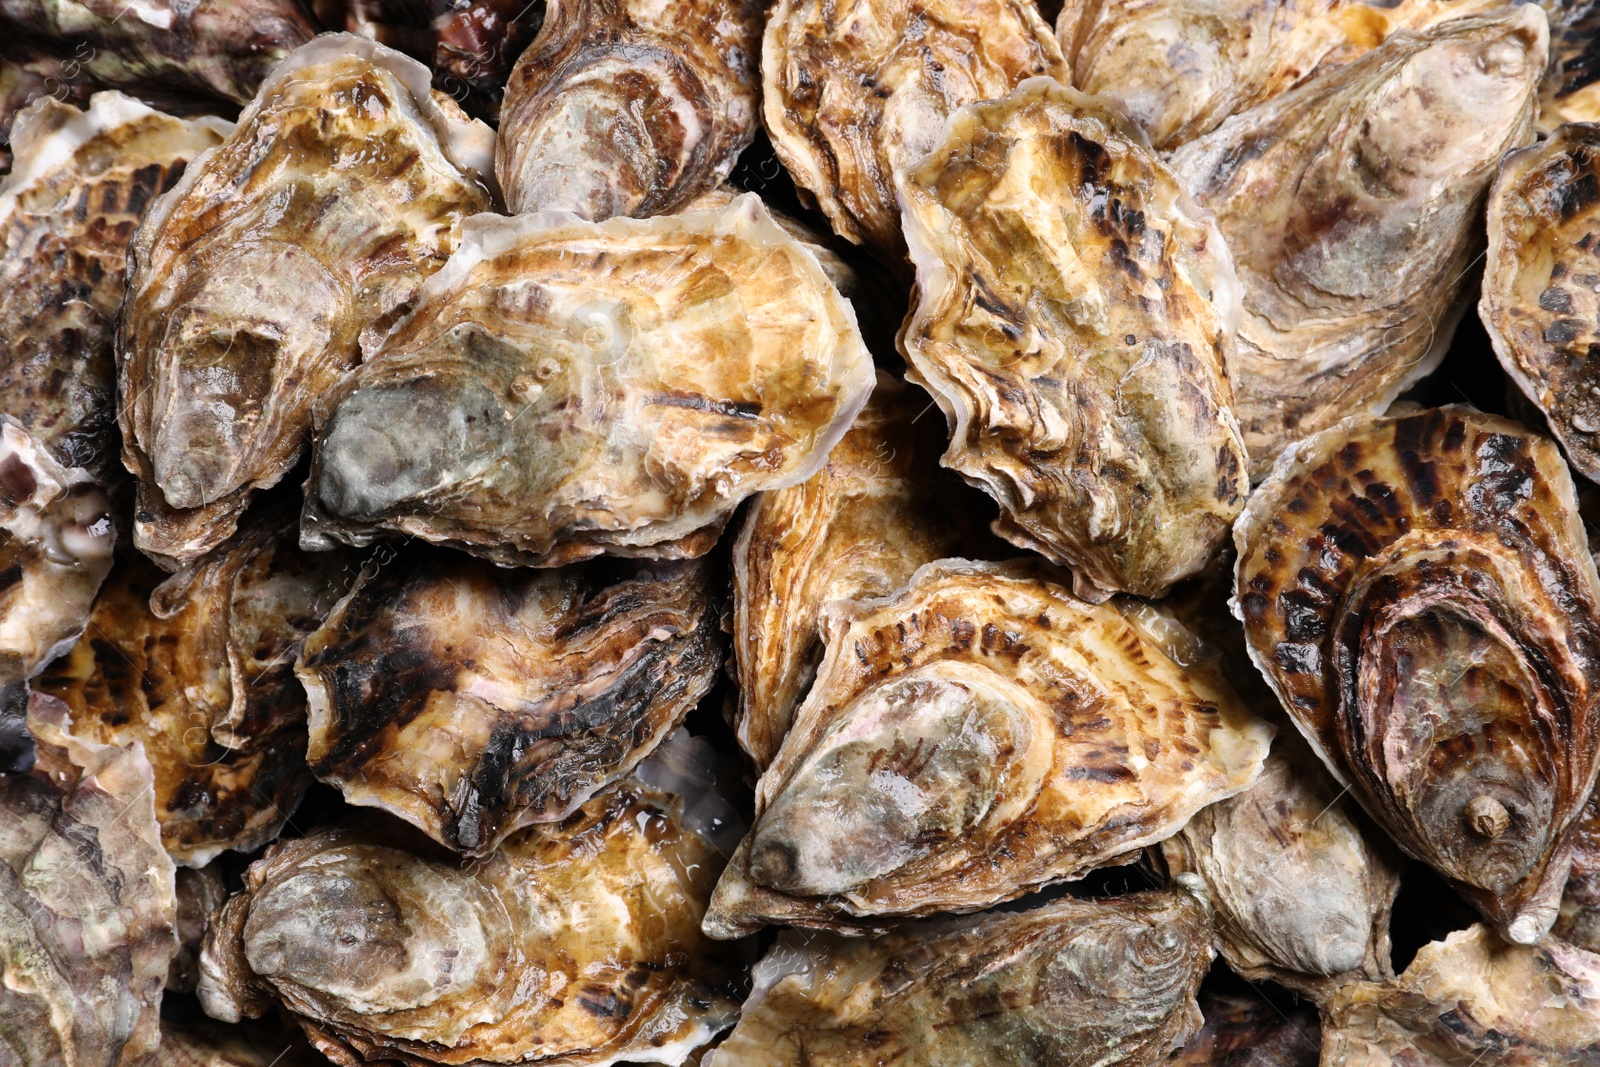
{"x":978,"y":735}
{"x":252,"y":281}
{"x":1243,"y":1029}
{"x":1116,"y":977}
{"x":567,"y":388}
{"x":200,"y":895}
{"x":1579,"y":921}
{"x":1077,"y":337}
{"x":1352,"y":234}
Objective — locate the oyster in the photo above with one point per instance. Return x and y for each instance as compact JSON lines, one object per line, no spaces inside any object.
{"x":1115,"y":976}
{"x":978,"y":735}
{"x":568,"y":388}
{"x":1570,"y":92}
{"x":629,"y":107}
{"x":855,"y":93}
{"x":472,"y":701}
{"x":1350,"y":232}
{"x":1541,"y":284}
{"x":573,"y":944}
{"x":199,"y":669}
{"x":82,"y":183}
{"x":252,"y":280}
{"x":200,"y":893}
{"x":86,"y":904}
{"x":1246,"y":1030}
{"x":859,"y":527}
{"x":1472,"y":1000}
{"x":1580,"y":903}
{"x":1418,"y":592}
{"x":1077,"y":338}
{"x":210,"y":1044}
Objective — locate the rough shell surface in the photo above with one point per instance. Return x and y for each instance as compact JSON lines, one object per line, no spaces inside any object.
{"x":212,"y":1044}
{"x":978,"y":735}
{"x":1418,"y":592}
{"x":1580,"y":902}
{"x":200,"y":894}
{"x":1116,"y":977}
{"x":1073,"y":319}
{"x":854,"y":93}
{"x":1570,"y":92}
{"x":252,"y":281}
{"x":629,"y":107}
{"x":1246,"y":1030}
{"x":568,"y":388}
{"x":1351,"y":228}
{"x":472,"y":700}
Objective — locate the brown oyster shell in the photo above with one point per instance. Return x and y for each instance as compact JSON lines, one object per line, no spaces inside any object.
{"x":1541,"y":284}
{"x":86,"y":904}
{"x":855,"y":93}
{"x":213,"y":1044}
{"x":573,"y":944}
{"x":629,"y":107}
{"x":251,"y":282}
{"x":1569,"y":92}
{"x":1243,"y":1029}
{"x":198,"y":667}
{"x":1351,"y":232}
{"x":858,"y":528}
{"x":471,"y":700}
{"x":1472,"y":1000}
{"x":1579,"y":921}
{"x":568,"y":388}
{"x":1077,"y":338}
{"x":1115,"y":976}
{"x":200,"y":894}
{"x":1418,"y":592}
{"x":978,"y":735}
{"x":82,"y":183}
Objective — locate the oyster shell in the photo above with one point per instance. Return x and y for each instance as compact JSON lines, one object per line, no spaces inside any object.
{"x":1350,"y":232}
{"x":858,"y":528}
{"x":472,"y":701}
{"x":573,"y":944}
{"x":82,"y":183}
{"x":86,"y":904}
{"x":978,"y":735}
{"x":1579,"y":922}
{"x":199,"y":669}
{"x":629,"y":107}
{"x":1418,"y":592}
{"x":1472,"y":1000}
{"x":1570,"y":92}
{"x":1246,"y":1030}
{"x":1077,"y":338}
{"x":200,"y":894}
{"x":251,"y":281}
{"x":1540,"y":284}
{"x":1116,"y":977}
{"x":568,"y":388}
{"x":211,"y":1044}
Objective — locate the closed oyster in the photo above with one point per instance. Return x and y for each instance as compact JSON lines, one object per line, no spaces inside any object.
{"x":341,"y":188}
{"x":1541,"y":284}
{"x":56,"y":538}
{"x":858,"y":528}
{"x":1580,"y":902}
{"x":1077,"y":338}
{"x":629,"y":107}
{"x":82,"y":183}
{"x":1116,"y":977}
{"x":199,"y":669}
{"x":211,"y":1044}
{"x":1472,"y":1000}
{"x":567,"y":388}
{"x":86,"y":904}
{"x":573,"y":944}
{"x":1418,"y":592}
{"x":1246,"y":1030}
{"x":856,"y":93}
{"x":1350,"y":230}
{"x":978,"y":735}
{"x":472,"y":701}
{"x":200,"y":893}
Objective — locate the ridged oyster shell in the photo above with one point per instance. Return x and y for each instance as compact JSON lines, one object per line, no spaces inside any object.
{"x":1073,"y":319}
{"x":201,"y":892}
{"x":1352,"y":233}
{"x":629,"y":107}
{"x":1418,"y":592}
{"x":341,"y":188}
{"x":1243,"y":1029}
{"x":568,"y":388}
{"x":213,"y":1044}
{"x":1579,"y":922}
{"x":978,"y":735}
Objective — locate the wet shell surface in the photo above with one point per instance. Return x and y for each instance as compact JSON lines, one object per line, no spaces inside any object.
{"x":252,"y":281}
{"x":978,"y":735}
{"x":1351,"y":233}
{"x":629,"y":107}
{"x":1418,"y":592}
{"x":1115,"y":976}
{"x":1077,"y":337}
{"x":1580,"y":901}
{"x":568,"y":388}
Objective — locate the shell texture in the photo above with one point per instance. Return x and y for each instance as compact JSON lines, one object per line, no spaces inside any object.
{"x":1570,"y":92}
{"x":1580,"y":902}
{"x":1246,"y":1030}
{"x":200,"y":894}
{"x":211,"y":1044}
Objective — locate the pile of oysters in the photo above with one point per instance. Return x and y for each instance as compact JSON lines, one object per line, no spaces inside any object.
{"x":839,"y":533}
